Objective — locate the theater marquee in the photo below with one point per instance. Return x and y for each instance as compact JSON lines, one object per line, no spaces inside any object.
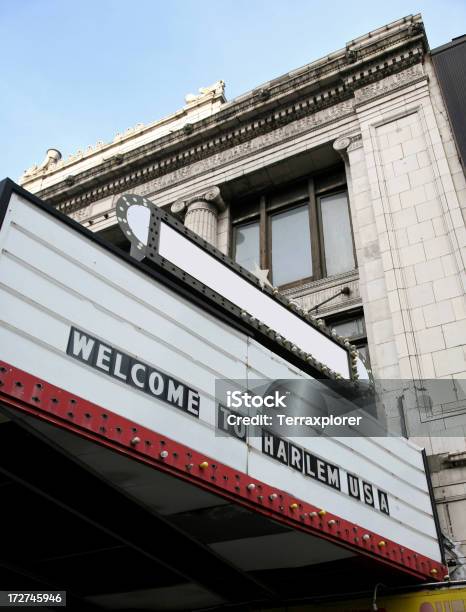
{"x":104,"y":346}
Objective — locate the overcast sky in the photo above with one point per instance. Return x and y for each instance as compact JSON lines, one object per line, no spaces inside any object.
{"x":75,"y":72}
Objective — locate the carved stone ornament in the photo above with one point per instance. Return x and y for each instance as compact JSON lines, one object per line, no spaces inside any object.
{"x":407,"y":77}
{"x":342,"y":143}
{"x":380,"y":55}
{"x":415,"y":29}
{"x":211,"y":197}
{"x":263,"y":94}
{"x":311,"y":122}
{"x":216,"y":89}
{"x":351,"y":56}
{"x":345,"y":144}
{"x":178,"y":207}
{"x":356,"y":142}
{"x":52,"y":158}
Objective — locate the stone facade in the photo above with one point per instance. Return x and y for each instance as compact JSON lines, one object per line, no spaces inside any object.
{"x":374,"y":106}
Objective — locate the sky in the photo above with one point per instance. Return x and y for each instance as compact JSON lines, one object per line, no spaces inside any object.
{"x":73,"y":72}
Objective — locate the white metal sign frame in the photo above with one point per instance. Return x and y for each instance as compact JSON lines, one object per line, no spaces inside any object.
{"x":184,"y":255}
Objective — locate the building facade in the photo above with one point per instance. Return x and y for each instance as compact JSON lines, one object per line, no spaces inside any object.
{"x":340,"y":183}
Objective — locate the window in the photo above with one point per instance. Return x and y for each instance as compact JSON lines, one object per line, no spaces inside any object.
{"x":336,"y":232}
{"x":247,"y":245}
{"x":353,"y":327}
{"x":291,"y":245}
{"x":299,"y":233}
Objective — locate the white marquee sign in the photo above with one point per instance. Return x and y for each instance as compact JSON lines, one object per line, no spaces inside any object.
{"x":104,"y":327}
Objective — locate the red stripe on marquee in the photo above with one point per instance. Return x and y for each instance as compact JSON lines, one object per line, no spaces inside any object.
{"x":20,"y":390}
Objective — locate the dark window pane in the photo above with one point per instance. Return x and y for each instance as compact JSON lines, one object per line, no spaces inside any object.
{"x":364,"y":353}
{"x":338,"y":242}
{"x":247,"y":245}
{"x":355,"y":331}
{"x":294,"y":194}
{"x":245,"y":209}
{"x":349,"y":329}
{"x":291,"y":246}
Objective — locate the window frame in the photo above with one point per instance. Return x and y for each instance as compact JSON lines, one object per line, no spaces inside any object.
{"x":264,"y":212}
{"x":321,"y":226}
{"x":241,"y":223}
{"x":360,"y":340}
{"x":270,"y":212}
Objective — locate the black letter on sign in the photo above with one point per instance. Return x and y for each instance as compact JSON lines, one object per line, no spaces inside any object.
{"x":239,"y":430}
{"x":383,"y":502}
{"x":353,"y":486}
{"x":368,"y":493}
{"x":81,"y":346}
{"x":296,"y":458}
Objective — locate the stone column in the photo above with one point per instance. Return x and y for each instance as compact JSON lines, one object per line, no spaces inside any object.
{"x":201,"y":213}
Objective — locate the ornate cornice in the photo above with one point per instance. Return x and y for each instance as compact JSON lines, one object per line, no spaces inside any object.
{"x":177,"y":168}
{"x":214,"y":135}
{"x":171,"y":172}
{"x":390,"y":84}
{"x":212,"y":94}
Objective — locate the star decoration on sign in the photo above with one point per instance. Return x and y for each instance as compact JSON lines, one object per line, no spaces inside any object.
{"x":262,"y":275}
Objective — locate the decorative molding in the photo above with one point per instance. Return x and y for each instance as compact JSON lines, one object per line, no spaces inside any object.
{"x":351,"y":55}
{"x":165,"y":179}
{"x":336,"y":306}
{"x":217,"y":90}
{"x":323,"y":283}
{"x":356,"y":142}
{"x":344,"y":144}
{"x":318,"y":119}
{"x":263,"y":94}
{"x":139,"y":165}
{"x":80,"y":215}
{"x":341,"y":302}
{"x":312,"y":293}
{"x":53,"y":160}
{"x":206,"y":94}
{"x":411,"y":75}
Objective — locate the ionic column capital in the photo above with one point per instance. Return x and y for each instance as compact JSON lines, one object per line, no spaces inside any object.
{"x":200,"y":213}
{"x":346,"y":144}
{"x":211,"y":199}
